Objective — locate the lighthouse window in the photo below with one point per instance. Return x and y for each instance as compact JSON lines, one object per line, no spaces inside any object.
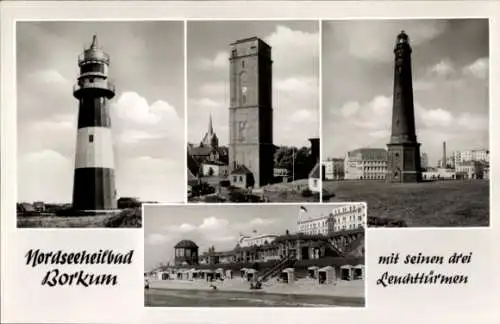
{"x":243,"y":64}
{"x":91,"y":138}
{"x":92,"y":67}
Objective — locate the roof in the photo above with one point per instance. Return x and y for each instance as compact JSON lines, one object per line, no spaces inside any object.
{"x":241,"y":169}
{"x":214,"y":163}
{"x":250,"y":39}
{"x":185,"y":244}
{"x":315,"y":172}
{"x":370,"y":153}
{"x":201,"y":151}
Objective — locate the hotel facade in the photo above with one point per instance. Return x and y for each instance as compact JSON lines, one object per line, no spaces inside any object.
{"x":366,"y":164}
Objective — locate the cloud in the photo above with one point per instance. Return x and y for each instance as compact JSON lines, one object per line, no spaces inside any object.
{"x":219,"y":61}
{"x":350,"y":108}
{"x":49,"y":78}
{"x":434,"y":117}
{"x":301,"y":116}
{"x":262,"y":221}
{"x":183,"y":228}
{"x":213,"y":223}
{"x":303,"y":45}
{"x":151,"y":179}
{"x":45,"y":175}
{"x":352,"y":35}
{"x":473,"y":122}
{"x":369,"y":125}
{"x":298,"y":85}
{"x":206,"y":103}
{"x":443,"y":68}
{"x":212,"y":89}
{"x":131,"y":107}
{"x":478,"y":69}
{"x":157,"y":239}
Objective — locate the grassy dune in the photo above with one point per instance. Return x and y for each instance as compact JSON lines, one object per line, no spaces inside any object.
{"x":427,"y":204}
{"x":128,"y":218}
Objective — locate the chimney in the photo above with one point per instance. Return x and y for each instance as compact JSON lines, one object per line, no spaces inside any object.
{"x":444,"y":156}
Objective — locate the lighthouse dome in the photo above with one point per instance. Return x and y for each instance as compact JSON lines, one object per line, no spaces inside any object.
{"x":93,"y":54}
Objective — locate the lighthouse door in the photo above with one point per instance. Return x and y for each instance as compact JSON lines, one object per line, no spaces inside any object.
{"x":397,"y":174}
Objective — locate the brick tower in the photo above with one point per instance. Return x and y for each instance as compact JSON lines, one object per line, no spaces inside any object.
{"x":403,"y":149}
{"x":94,"y":181}
{"x":250,"y":111}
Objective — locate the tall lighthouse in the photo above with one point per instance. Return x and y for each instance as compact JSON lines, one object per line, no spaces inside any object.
{"x":94,"y":181}
{"x":403,"y":149}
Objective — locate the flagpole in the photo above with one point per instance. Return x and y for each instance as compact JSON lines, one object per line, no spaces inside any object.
{"x":293,"y":163}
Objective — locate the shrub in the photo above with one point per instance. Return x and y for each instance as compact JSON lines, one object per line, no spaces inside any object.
{"x":225,"y":183}
{"x":307,"y":193}
{"x":201,"y":189}
{"x":126,"y":218}
{"x":237,"y":196}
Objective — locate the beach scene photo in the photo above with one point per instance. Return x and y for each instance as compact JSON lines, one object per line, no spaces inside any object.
{"x":275,"y":255}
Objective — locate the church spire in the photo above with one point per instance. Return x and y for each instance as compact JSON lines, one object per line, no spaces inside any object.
{"x":210,"y":126}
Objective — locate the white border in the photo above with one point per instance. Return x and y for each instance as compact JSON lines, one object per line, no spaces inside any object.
{"x":180,"y":10}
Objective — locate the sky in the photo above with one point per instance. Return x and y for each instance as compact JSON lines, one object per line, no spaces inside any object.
{"x":220,"y":226}
{"x":450,"y":68}
{"x":295,"y":52}
{"x":147,"y":113}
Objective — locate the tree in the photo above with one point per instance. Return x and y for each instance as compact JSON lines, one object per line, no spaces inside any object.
{"x":296,"y":160}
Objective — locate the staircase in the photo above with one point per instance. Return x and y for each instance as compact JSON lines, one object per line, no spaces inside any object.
{"x":355,"y":244}
{"x":335,"y":247}
{"x":276,"y":269}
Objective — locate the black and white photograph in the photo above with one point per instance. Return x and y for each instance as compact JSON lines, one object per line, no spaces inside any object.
{"x":286,"y":255}
{"x":253,"y":111}
{"x":405,"y":120}
{"x":100,"y":121}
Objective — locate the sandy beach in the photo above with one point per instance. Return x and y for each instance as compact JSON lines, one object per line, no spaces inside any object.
{"x":355,"y":289}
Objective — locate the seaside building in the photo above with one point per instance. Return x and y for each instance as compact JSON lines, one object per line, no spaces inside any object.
{"x":471,"y":169}
{"x":349,"y":217}
{"x":334,"y":169}
{"x":314,"y":224}
{"x":424,"y":160}
{"x":366,"y":164}
{"x":471,"y":155}
{"x":340,"y":218}
{"x":94,"y":177}
{"x":214,"y":169}
{"x":186,"y":253}
{"x":256,"y":239}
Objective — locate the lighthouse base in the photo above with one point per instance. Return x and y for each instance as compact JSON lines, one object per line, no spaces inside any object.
{"x":404,"y":162}
{"x":94,"y":190}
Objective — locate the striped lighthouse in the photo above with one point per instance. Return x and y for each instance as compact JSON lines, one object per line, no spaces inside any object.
{"x":94,"y":181}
